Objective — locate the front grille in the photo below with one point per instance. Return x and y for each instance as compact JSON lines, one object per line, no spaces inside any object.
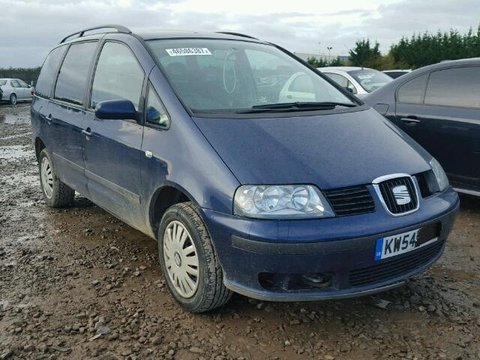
{"x":397,"y":266}
{"x":392,"y":200}
{"x":351,"y":201}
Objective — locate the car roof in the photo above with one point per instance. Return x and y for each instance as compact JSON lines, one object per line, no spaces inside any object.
{"x":160,"y":34}
{"x":179,"y":34}
{"x":343,"y":68}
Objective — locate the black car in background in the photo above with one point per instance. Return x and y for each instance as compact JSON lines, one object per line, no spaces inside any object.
{"x":439,"y":107}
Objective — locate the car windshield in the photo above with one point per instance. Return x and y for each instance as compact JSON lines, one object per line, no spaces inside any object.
{"x":229,"y":76}
{"x":370,"y":79}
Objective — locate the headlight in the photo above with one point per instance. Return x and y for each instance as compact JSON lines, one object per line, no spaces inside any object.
{"x":440,"y":176}
{"x":280,"y":202}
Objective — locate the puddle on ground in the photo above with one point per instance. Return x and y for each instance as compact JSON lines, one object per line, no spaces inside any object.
{"x":15,"y":115}
{"x":28,"y":180}
{"x":16,"y":152}
{"x":16,"y":136}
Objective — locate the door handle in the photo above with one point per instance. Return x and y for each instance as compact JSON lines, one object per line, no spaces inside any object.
{"x":49,"y":119}
{"x":87,"y":132}
{"x":410,"y":120}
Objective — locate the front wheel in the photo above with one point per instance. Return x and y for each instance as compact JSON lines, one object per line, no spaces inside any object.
{"x":13,"y":99}
{"x":188,"y":260}
{"x":55,"y":192}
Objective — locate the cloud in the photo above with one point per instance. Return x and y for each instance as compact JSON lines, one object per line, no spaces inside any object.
{"x":30,"y":28}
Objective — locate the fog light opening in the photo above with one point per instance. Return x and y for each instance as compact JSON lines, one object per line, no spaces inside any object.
{"x":318,"y":280}
{"x":296,"y":282}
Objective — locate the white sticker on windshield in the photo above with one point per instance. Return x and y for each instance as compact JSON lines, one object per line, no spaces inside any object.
{"x":188,"y":51}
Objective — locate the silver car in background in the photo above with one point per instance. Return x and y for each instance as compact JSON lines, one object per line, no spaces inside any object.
{"x":14,"y":90}
{"x":359,"y":80}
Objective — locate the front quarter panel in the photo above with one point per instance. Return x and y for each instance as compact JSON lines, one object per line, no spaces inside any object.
{"x":183,"y":158}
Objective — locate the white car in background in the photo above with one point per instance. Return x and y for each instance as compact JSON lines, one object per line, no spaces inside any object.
{"x":14,"y":90}
{"x":359,"y":80}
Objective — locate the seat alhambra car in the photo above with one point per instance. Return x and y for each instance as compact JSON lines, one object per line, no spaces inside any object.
{"x":283,"y":194}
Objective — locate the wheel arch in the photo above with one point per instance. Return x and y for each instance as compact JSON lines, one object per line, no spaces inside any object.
{"x":165,"y":196}
{"x":39,"y":146}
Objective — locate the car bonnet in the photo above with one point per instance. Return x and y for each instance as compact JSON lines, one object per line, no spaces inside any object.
{"x":330,"y":151}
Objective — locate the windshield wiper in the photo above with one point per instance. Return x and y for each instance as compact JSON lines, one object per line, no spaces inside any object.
{"x":295,"y":106}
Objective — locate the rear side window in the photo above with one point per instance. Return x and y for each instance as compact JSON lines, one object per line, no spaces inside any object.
{"x":49,"y":72}
{"x":412,"y":92}
{"x":458,"y":87}
{"x":73,"y":77}
{"x":118,"y":76}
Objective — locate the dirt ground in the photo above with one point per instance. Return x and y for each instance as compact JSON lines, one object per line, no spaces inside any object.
{"x":79,"y":284}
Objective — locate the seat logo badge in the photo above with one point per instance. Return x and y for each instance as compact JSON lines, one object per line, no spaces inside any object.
{"x":402,"y":196}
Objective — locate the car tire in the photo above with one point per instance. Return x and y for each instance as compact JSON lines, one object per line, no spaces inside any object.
{"x":55,"y":193}
{"x":13,"y":99}
{"x":188,"y":260}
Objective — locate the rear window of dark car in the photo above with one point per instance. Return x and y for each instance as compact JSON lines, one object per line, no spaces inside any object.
{"x":413,"y":91}
{"x":49,"y":72}
{"x":458,"y":87}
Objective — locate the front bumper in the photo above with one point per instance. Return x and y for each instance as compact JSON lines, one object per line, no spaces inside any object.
{"x":342,"y":248}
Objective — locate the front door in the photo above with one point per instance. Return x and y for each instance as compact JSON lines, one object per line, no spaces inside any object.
{"x":113,"y":147}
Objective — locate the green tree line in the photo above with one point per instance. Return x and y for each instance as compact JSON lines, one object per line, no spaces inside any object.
{"x":418,"y":50}
{"x":26,"y":74}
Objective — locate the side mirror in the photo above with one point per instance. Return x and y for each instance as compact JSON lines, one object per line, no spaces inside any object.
{"x":116,"y":110}
{"x":350,"y":90}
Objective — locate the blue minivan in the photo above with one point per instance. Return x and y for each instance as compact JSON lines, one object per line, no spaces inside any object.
{"x":255,"y":173}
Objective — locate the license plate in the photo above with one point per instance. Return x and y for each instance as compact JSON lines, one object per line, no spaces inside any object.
{"x":394,"y":245}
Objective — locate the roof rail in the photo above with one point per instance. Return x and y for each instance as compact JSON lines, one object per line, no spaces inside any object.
{"x":236,"y":34}
{"x":119,"y":28}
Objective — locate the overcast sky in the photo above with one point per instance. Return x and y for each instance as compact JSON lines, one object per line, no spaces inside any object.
{"x":30,"y":28}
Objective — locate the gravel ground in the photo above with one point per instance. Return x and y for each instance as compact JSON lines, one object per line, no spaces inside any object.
{"x":79,"y":284}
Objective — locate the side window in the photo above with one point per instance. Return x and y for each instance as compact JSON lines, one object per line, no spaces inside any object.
{"x":73,"y":77}
{"x":155,"y":111}
{"x":412,"y":92}
{"x":118,"y":75}
{"x":23,"y":84}
{"x":15,"y":83}
{"x":48,"y":73}
{"x":454,"y":87}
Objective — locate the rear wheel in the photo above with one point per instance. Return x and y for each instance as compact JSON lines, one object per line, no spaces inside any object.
{"x":55,"y":192}
{"x":13,"y":99}
{"x":188,"y":260}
